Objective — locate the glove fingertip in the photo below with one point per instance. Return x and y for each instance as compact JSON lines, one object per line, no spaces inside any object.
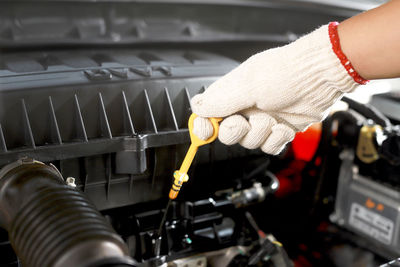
{"x":280,"y":136}
{"x":197,"y":105}
{"x":202,"y":128}
{"x":206,"y":106}
{"x":232,"y":129}
{"x":220,"y":104}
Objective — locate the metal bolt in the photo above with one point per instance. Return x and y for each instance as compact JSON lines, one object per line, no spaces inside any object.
{"x":70,"y":182}
{"x":333,"y":218}
{"x":355,"y":169}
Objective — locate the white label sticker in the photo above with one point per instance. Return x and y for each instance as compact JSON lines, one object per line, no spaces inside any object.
{"x":371,"y":223}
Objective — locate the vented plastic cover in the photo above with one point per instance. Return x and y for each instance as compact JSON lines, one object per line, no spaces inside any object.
{"x":51,"y":104}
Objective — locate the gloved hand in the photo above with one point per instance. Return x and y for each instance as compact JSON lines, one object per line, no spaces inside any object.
{"x":274,"y":94}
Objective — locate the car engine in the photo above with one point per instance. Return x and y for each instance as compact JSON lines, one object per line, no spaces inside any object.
{"x":94,"y":105}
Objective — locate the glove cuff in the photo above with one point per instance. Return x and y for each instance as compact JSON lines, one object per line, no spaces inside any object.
{"x":313,"y":55}
{"x":335,"y":41}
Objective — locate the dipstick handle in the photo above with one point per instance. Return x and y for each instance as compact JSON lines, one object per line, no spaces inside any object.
{"x":180,"y":176}
{"x":188,"y":158}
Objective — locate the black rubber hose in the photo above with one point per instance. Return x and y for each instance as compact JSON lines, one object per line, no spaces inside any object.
{"x":52,"y":224}
{"x":368,"y":111}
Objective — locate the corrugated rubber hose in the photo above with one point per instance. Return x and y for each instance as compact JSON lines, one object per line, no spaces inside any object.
{"x":52,"y":224}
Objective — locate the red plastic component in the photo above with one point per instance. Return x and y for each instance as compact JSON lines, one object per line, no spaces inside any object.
{"x":305,"y":143}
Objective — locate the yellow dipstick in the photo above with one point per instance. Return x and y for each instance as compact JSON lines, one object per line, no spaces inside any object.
{"x":181,"y":174}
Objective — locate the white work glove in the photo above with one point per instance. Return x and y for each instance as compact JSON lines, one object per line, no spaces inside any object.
{"x":274,"y":94}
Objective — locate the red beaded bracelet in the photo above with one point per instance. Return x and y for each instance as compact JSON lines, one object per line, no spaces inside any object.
{"x":335,"y":41}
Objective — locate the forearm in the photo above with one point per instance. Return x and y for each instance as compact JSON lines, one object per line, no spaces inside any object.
{"x":371,"y":41}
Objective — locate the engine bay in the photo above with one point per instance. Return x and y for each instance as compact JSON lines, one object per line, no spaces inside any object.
{"x":95,"y":101}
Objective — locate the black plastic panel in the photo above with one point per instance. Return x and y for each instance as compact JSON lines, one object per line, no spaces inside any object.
{"x":127,"y":100}
{"x":112,"y":119}
{"x":22,"y":23}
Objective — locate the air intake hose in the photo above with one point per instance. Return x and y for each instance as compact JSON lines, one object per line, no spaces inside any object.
{"x":51,"y":224}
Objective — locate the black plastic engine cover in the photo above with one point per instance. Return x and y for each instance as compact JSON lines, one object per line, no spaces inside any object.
{"x":97,"y":113}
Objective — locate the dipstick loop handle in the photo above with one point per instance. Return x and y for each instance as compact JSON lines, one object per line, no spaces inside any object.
{"x":181,"y":174}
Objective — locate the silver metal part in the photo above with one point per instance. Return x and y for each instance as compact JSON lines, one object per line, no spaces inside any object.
{"x":218,"y":258}
{"x":254,"y":194}
{"x":225,"y":256}
{"x":367,"y":208}
{"x":70,"y":182}
{"x":195,"y":261}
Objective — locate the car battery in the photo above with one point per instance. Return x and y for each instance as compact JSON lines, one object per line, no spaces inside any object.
{"x":368,"y":208}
